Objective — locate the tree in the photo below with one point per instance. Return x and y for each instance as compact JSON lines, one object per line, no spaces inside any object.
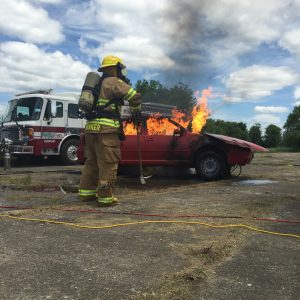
{"x":272,"y":137}
{"x":234,"y":129}
{"x":179,"y":95}
{"x":291,"y":136}
{"x":211,"y":126}
{"x":255,"y":135}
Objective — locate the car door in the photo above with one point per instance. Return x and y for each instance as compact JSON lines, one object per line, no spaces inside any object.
{"x":167,"y":149}
{"x":130,"y":146}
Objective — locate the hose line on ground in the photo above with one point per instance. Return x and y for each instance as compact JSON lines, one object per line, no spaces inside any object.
{"x":152,"y":222}
{"x":143,"y":214}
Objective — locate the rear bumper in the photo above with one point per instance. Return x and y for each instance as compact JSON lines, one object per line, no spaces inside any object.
{"x":19,"y":149}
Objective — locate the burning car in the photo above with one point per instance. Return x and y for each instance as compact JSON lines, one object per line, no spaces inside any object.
{"x":168,"y":138}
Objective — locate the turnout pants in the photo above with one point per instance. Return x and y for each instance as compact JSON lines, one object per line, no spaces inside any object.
{"x":102,"y":152}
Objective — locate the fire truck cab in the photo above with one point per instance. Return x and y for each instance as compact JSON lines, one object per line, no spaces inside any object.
{"x":40,"y":123}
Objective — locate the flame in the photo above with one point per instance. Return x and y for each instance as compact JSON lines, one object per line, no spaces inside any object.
{"x":129,"y":128}
{"x":200,"y":112}
{"x":156,"y":125}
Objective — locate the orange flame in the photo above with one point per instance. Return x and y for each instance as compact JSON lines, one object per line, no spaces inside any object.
{"x":129,"y":128}
{"x":156,"y":125}
{"x":200,"y":112}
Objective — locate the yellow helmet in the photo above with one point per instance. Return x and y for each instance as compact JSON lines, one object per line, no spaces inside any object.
{"x":109,"y":61}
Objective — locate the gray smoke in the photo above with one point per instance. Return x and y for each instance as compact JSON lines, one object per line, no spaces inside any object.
{"x":185,"y":41}
{"x":191,"y":43}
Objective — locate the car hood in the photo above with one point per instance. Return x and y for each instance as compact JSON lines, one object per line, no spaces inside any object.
{"x":237,"y":142}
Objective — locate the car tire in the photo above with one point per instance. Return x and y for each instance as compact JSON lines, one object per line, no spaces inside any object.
{"x":68,"y":152}
{"x":211,"y":165}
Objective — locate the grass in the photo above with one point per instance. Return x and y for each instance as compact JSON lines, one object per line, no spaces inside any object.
{"x":283,"y":149}
{"x":23,"y":180}
{"x":202,"y":259}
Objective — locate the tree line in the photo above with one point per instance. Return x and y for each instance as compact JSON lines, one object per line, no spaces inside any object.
{"x":182,"y":96}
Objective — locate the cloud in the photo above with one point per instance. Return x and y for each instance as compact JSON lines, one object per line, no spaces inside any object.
{"x":297,"y":96}
{"x":124,"y":29}
{"x":297,"y":92}
{"x":237,"y":27}
{"x":271,"y":109}
{"x":25,"y":66}
{"x":138,"y":52}
{"x":46,"y":1}
{"x":180,"y":30}
{"x":265,"y":120}
{"x":291,"y":41}
{"x":258,"y":81}
{"x":20,"y":19}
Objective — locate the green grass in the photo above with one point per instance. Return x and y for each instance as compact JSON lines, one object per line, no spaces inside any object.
{"x":283,"y":149}
{"x":24,"y":180}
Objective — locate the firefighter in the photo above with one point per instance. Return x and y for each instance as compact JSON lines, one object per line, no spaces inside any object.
{"x":103,"y":132}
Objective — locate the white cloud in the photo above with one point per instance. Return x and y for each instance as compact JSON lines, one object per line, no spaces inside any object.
{"x":150,"y":76}
{"x":180,"y":30}
{"x":254,"y":21}
{"x":46,"y":1}
{"x":265,"y":120}
{"x":297,"y":92}
{"x":19,"y":18}
{"x":291,"y":41}
{"x":258,"y":81}
{"x":297,"y":96}
{"x":271,"y":109}
{"x":138,"y":52}
{"x":25,"y":66}
{"x":240,"y":26}
{"x":132,"y":30}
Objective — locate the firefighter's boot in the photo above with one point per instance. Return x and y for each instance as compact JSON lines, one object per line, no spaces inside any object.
{"x":87,"y":195}
{"x":105,"y":196}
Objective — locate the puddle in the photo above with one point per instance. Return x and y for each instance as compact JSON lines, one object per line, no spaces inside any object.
{"x":253,"y":182}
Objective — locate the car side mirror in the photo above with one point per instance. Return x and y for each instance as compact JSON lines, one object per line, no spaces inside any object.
{"x":50,"y":111}
{"x":53,"y":109}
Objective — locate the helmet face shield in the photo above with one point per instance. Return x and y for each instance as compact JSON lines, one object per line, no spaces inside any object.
{"x":124,"y":71}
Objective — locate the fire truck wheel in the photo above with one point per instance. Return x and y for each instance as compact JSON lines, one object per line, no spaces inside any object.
{"x":68,"y":152}
{"x":210,"y":165}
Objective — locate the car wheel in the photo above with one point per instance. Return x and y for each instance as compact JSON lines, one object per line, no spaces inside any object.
{"x":68,"y":152}
{"x":210,"y":165}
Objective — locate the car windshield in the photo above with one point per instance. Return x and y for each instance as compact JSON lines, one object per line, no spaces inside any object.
{"x":25,"y":109}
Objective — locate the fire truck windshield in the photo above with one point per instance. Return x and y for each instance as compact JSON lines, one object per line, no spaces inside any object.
{"x":25,"y":109}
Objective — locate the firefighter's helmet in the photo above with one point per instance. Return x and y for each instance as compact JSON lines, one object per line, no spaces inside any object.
{"x":110,"y":61}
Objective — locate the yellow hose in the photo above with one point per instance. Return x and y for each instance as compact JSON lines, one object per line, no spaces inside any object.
{"x":152,"y":222}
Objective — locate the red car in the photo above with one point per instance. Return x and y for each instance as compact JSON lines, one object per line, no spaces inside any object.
{"x":212,"y":155}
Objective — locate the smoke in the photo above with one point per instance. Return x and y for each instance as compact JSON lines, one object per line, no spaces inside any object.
{"x":184,"y":37}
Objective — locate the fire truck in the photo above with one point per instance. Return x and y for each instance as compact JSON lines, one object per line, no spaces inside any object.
{"x":40,"y":123}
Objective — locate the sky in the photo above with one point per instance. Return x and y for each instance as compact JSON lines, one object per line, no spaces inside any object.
{"x":247,"y":51}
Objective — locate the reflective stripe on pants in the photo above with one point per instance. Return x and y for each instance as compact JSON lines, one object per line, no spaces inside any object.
{"x":100,"y":169}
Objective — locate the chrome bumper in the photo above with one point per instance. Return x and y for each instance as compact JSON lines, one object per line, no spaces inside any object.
{"x":17,"y":149}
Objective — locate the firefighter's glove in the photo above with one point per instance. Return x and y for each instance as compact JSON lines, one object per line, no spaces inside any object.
{"x":136,"y":116}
